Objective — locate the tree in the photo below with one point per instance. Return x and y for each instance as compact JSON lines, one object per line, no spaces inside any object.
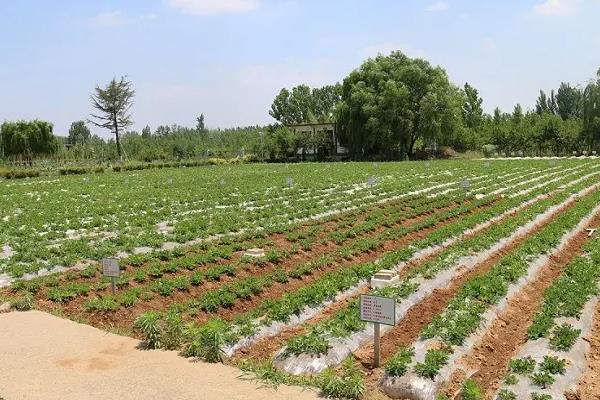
{"x":293,"y":107}
{"x":113,"y":104}
{"x":568,"y":101}
{"x":391,"y":102}
{"x":146,"y":132}
{"x":541,"y":105}
{"x":200,"y":127}
{"x":472,"y":110}
{"x":591,"y":112}
{"x":79,"y":133}
{"x":26,"y":139}
{"x":324,"y":101}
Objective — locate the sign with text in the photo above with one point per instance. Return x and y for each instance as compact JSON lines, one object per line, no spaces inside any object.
{"x":110,"y":268}
{"x":377,"y":309}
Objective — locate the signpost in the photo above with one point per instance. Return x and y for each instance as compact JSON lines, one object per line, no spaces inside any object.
{"x":378,"y":310}
{"x":110,"y":269}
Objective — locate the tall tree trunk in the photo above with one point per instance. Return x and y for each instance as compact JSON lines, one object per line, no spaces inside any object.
{"x":118,"y":139}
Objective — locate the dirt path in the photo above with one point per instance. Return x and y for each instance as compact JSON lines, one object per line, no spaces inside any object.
{"x":589,"y":385}
{"x":489,"y":359}
{"x":45,"y":357}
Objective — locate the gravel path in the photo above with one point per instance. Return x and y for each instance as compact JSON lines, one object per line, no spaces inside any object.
{"x":46,"y":357}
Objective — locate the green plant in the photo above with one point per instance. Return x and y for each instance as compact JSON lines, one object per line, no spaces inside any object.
{"x":209,"y":340}
{"x":398,"y":364}
{"x":506,"y":394}
{"x":522,"y":366}
{"x":311,"y":343}
{"x":23,"y":303}
{"x":102,"y":304}
{"x":511,"y":379}
{"x":149,"y":324}
{"x":348,"y":385}
{"x":553,"y":365}
{"x":540,"y":396}
{"x":542,"y":379}
{"x":435,"y":359}
{"x":564,"y":337}
{"x":471,"y":391}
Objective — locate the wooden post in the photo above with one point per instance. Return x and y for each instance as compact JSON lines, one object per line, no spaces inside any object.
{"x":377,"y":356}
{"x":113,"y":285}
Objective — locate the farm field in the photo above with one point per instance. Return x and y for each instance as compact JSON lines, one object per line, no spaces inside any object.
{"x":498,"y":275}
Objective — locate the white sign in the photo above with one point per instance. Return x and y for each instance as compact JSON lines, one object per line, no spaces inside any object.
{"x":110,"y":267}
{"x":377,"y":309}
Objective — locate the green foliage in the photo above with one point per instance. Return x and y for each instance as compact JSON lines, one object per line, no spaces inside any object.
{"x":398,"y":364}
{"x":311,"y":343}
{"x":209,"y":341}
{"x":540,"y":396}
{"x":149,"y":324}
{"x":407,"y":98}
{"x":470,"y":391}
{"x":435,"y":359}
{"x":349,"y":384}
{"x":522,"y":366}
{"x":542,"y":379}
{"x":553,"y":365}
{"x":506,"y":394}
{"x":27,"y":139}
{"x":564,"y":337}
{"x":23,"y":303}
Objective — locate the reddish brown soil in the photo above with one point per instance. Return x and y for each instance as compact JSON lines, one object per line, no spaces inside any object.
{"x":124,"y":317}
{"x":489,"y":359}
{"x":407,"y":331}
{"x":589,"y":385}
{"x":266,"y":347}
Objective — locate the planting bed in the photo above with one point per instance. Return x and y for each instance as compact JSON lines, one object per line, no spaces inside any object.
{"x":483,"y":251}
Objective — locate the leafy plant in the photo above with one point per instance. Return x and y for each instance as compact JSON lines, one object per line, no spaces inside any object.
{"x":398,"y":364}
{"x":553,"y":365}
{"x":149,"y":324}
{"x":564,"y":337}
{"x":471,"y":391}
{"x":348,"y":385}
{"x":435,"y":359}
{"x":522,"y":366}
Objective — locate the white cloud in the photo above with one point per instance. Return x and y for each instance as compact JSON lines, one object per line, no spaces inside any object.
{"x":438,"y":6}
{"x":561,"y":8}
{"x":387,"y":47}
{"x":212,"y":7}
{"x":118,"y":18}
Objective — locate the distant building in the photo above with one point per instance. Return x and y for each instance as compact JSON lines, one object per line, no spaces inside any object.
{"x":332,"y":148}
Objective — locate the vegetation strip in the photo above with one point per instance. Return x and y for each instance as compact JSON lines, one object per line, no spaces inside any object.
{"x":506,"y":333}
{"x":346,"y":322}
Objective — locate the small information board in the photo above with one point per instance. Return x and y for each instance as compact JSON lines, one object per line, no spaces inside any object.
{"x":377,"y":309}
{"x":110,"y":268}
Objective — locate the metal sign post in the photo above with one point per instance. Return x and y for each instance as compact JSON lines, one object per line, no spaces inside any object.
{"x":378,"y":310}
{"x":110,"y":268}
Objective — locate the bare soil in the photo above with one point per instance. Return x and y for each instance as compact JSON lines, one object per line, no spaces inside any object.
{"x":489,"y":359}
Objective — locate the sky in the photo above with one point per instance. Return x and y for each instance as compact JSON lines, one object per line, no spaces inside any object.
{"x":229,"y":58}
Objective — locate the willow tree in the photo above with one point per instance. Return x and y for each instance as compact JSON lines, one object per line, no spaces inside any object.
{"x":113,"y":104}
{"x":391,"y":102}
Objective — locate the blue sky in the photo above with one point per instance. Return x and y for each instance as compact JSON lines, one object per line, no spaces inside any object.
{"x":229,"y":58}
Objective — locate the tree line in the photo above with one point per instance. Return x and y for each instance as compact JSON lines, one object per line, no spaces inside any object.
{"x":390,"y":108}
